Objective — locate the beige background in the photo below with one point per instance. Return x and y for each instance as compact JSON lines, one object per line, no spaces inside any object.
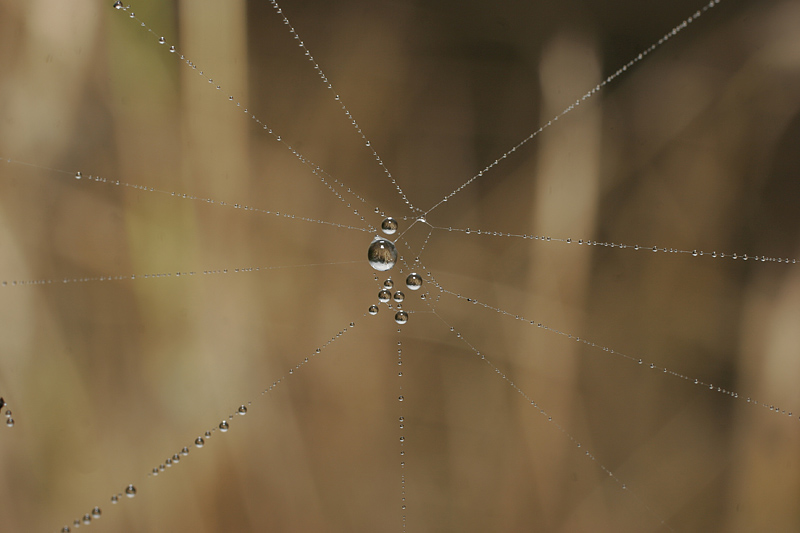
{"x":694,"y":148}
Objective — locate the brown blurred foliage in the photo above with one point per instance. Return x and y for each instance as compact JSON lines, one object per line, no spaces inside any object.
{"x":695,"y":147}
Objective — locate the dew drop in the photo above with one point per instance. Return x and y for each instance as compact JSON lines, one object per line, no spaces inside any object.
{"x":172,"y":49}
{"x":384,"y":296}
{"x":87,"y":519}
{"x":382,"y":254}
{"x":130,"y":491}
{"x":398,"y":296}
{"x":185,"y":451}
{"x":388,"y":284}
{"x":414,"y":281}
{"x":399,"y":398}
{"x":242,"y":410}
{"x":389,"y":226}
{"x":114,"y":499}
{"x":161,"y":40}
{"x":223,"y":426}
{"x":401,"y":317}
{"x":10,"y":422}
{"x":199,"y":442}
{"x":78,"y":175}
{"x":118,"y":4}
{"x":373,"y":310}
{"x":96,"y":512}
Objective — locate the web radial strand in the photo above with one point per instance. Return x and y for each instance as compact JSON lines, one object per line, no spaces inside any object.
{"x":333,"y":184}
{"x":616,"y":353}
{"x":324,"y":79}
{"x":550,"y":419}
{"x":591,"y":92}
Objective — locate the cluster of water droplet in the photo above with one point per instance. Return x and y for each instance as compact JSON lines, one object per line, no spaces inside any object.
{"x":382,"y":256}
{"x":9,"y":420}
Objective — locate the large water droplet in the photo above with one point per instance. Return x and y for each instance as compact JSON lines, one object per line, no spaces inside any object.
{"x":382,"y":254}
{"x":130,"y":491}
{"x":414,"y":281}
{"x":401,"y":317}
{"x":389,"y":226}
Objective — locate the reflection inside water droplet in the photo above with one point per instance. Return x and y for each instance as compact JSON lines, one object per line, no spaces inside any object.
{"x":389,"y":226}
{"x":414,"y":281}
{"x":382,"y":254}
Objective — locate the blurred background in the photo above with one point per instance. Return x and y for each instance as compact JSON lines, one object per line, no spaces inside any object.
{"x":695,"y":147}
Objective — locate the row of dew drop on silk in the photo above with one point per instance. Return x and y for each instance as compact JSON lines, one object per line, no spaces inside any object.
{"x":382,"y":256}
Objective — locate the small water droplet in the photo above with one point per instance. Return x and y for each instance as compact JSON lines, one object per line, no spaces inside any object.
{"x":172,"y":49}
{"x":118,"y":4}
{"x":384,"y":296}
{"x":401,"y":317}
{"x":199,"y":442}
{"x":10,"y":422}
{"x":398,"y":296}
{"x":399,"y":398}
{"x":130,"y":491}
{"x":223,"y":426}
{"x":161,"y":40}
{"x":382,"y":254}
{"x":78,"y":175}
{"x":388,"y":284}
{"x":87,"y":519}
{"x":114,"y":498}
{"x":414,"y":281}
{"x":389,"y":226}
{"x":242,"y":410}
{"x":185,"y":451}
{"x":373,"y":310}
{"x":96,"y":512}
